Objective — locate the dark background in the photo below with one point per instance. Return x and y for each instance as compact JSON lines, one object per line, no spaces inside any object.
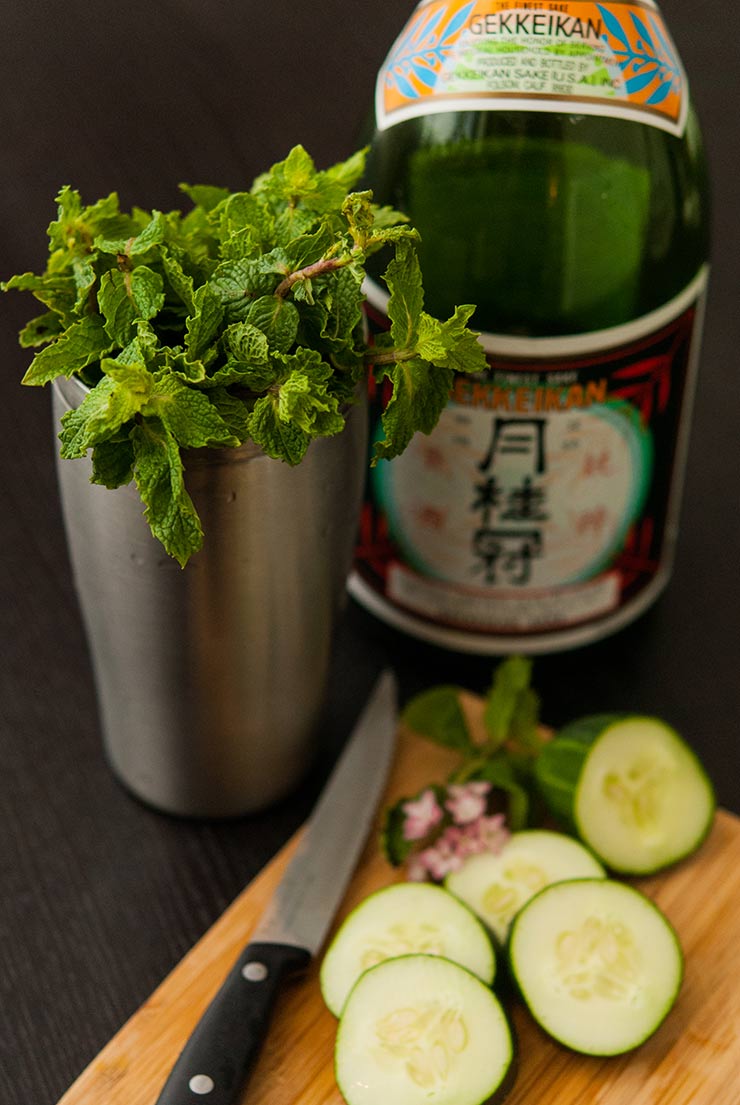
{"x":99,"y":897}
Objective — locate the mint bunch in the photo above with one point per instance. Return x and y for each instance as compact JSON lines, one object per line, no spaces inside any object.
{"x":240,"y":320}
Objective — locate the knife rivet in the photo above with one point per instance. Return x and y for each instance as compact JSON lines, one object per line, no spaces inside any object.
{"x":201,"y":1083}
{"x":254,"y":972}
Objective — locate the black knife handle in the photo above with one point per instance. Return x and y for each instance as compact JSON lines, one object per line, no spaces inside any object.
{"x":215,"y":1062}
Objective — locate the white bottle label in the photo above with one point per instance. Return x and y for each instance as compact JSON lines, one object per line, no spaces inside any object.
{"x":547,"y":496}
{"x":582,"y":57}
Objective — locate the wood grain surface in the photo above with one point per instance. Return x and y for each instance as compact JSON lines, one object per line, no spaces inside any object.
{"x":693,"y":1059}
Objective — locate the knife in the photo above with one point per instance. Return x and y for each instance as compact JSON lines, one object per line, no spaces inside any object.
{"x":215,"y":1063}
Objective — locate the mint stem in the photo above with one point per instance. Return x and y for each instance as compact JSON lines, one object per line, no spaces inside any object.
{"x":389,"y":356}
{"x":318,"y":268}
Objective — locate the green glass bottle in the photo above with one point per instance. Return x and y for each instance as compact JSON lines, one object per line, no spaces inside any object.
{"x":550,"y":158}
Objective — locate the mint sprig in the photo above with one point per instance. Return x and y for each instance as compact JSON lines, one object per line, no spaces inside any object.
{"x":503,"y":759}
{"x":239,"y":320}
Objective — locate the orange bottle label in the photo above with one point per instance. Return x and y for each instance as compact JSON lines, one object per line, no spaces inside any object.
{"x":615,"y":58}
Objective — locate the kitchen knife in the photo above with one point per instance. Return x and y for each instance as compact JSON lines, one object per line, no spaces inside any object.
{"x":215,"y":1062}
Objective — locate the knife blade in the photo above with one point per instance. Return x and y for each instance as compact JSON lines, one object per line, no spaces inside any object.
{"x":215,"y":1063}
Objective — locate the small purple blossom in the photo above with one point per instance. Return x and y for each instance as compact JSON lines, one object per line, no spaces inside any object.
{"x":455,"y":845}
{"x":493,"y":833}
{"x":436,"y":861}
{"x":421,"y":816}
{"x":467,"y":801}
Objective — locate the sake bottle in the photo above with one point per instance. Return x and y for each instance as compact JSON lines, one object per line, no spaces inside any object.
{"x":549,"y":155}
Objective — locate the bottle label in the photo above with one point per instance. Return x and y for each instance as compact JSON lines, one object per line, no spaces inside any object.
{"x":547,"y":496}
{"x":614,"y":58}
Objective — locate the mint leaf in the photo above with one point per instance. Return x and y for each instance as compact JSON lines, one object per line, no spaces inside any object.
{"x":188,"y":414}
{"x":359,"y":211}
{"x":403,"y":277}
{"x":206,"y":196}
{"x":134,"y":385}
{"x":203,"y":325}
{"x":450,"y":343}
{"x":41,"y":330}
{"x":241,"y":245}
{"x":249,"y":362}
{"x":82,"y":344}
{"x":69,"y":210}
{"x":303,"y":396}
{"x":158,"y":471}
{"x":57,"y":292}
{"x":242,"y":212}
{"x":514,"y":799}
{"x":437,"y":715}
{"x":233,"y":411}
{"x":277,"y":438}
{"x":341,"y":178}
{"x":180,"y":282}
{"x":344,"y":315}
{"x":112,"y":463}
{"x":76,"y":435}
{"x":76,"y":227}
{"x":126,"y":296}
{"x":308,"y":248}
{"x":278,"y":320}
{"x":152,"y":235}
{"x":84,"y":276}
{"x":290,"y":182}
{"x":122,"y":393}
{"x":420,"y":393}
{"x":236,"y":372}
{"x":293,"y":222}
{"x":248,"y":344}
{"x":511,"y":680}
{"x":179,"y":364}
{"x":143,"y":347}
{"x":525,"y":732}
{"x":238,"y":284}
{"x":386,"y":217}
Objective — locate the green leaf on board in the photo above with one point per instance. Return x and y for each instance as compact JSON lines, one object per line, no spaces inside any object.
{"x":437,"y":715}
{"x":510,"y":708}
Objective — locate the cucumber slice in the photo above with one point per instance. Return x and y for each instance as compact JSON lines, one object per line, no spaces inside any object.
{"x":597,"y":963}
{"x":422,"y":1029}
{"x":497,"y":886}
{"x":400,"y":920}
{"x":631,"y":787}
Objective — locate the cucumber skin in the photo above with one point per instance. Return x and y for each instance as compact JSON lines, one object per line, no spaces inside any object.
{"x":506,"y":1085}
{"x":558,"y":771}
{"x":558,"y":766}
{"x":511,"y":972}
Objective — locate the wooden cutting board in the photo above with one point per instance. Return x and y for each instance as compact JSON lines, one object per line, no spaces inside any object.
{"x":693,"y":1059}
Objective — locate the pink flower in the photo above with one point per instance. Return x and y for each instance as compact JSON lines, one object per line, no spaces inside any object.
{"x":493,"y":833}
{"x":421,"y":816}
{"x":467,"y":802}
{"x":440,"y":859}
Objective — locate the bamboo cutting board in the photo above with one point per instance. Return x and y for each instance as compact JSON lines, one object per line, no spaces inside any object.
{"x":693,"y":1059}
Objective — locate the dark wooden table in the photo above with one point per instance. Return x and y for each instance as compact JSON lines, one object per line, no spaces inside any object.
{"x":100,"y":897}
